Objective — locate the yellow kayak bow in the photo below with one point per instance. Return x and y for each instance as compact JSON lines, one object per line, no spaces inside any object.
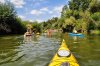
{"x":63,"y":57}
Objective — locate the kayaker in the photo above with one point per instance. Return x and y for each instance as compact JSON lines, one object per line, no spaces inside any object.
{"x":49,"y":32}
{"x":74,"y":31}
{"x":29,"y":28}
{"x":27,"y":34}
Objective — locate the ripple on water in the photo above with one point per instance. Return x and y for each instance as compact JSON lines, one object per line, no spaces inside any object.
{"x":90,"y":63}
{"x":39,"y":51}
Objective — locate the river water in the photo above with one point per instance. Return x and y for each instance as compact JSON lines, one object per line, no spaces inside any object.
{"x":38,"y":50}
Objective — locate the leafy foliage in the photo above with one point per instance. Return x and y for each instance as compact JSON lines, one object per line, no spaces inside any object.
{"x":9,"y":22}
{"x":83,"y":15}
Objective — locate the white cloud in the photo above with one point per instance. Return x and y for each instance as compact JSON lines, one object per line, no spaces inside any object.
{"x":58,"y":8}
{"x":2,"y":1}
{"x":39,"y":20}
{"x":54,"y":16}
{"x":56,"y":12}
{"x":18,"y":3}
{"x":22,"y":17}
{"x":30,"y":20}
{"x":39,"y":12}
{"x":44,"y":9}
{"x":36,"y":12}
{"x":50,"y":12}
{"x":38,"y":2}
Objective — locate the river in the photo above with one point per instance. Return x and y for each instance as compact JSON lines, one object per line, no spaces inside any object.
{"x":38,"y":50}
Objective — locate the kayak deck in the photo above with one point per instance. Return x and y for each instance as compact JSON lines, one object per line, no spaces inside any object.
{"x":64,"y":61}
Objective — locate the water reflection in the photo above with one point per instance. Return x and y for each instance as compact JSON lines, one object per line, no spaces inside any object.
{"x":7,"y":50}
{"x":75,"y":38}
{"x":28,"y":51}
{"x":31,"y":39}
{"x":38,"y":50}
{"x":28,"y":39}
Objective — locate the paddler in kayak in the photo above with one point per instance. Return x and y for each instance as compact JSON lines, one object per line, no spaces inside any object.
{"x":49,"y":32}
{"x":29,"y":30}
{"x":75,"y":31}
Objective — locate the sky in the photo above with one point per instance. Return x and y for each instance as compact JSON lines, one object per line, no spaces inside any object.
{"x":37,"y":10}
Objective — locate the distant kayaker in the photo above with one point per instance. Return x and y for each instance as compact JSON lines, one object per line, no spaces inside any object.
{"x":74,"y":31}
{"x":49,"y":32}
{"x":27,"y":34}
{"x":29,"y":28}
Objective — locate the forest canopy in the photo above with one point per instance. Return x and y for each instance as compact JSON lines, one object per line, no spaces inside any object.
{"x":82,"y":15}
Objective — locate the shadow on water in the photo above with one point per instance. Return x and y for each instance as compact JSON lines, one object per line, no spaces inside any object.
{"x":38,"y":50}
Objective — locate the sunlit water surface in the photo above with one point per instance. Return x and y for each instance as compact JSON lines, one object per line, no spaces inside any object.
{"x":38,"y":50}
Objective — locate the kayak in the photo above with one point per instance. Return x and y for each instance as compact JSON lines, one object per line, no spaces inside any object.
{"x":75,"y":34}
{"x":38,"y":33}
{"x":63,"y":57}
{"x":29,"y":35}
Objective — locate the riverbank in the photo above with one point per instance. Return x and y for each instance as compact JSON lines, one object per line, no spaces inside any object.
{"x":95,"y":32}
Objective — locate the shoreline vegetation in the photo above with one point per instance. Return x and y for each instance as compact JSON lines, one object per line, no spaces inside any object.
{"x":82,"y":15}
{"x":95,"y":32}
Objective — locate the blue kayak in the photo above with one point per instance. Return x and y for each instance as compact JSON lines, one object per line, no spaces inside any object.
{"x":75,"y":34}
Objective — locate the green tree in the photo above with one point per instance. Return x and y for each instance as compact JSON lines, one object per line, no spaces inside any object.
{"x":9,"y":22}
{"x":77,"y":5}
{"x":7,"y":12}
{"x":96,"y":20}
{"x":94,"y":6}
{"x":63,"y":13}
{"x":36,"y":26}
